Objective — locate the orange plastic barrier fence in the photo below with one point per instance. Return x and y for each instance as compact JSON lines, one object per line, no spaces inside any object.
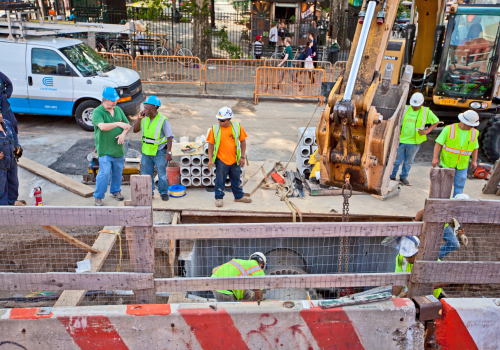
{"x":289,"y":82}
{"x":325,"y":65}
{"x":228,"y":71}
{"x":119,"y":59}
{"x":337,"y":68}
{"x":169,"y":69}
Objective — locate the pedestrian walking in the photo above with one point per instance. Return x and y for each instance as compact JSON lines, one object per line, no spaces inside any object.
{"x":6,"y":89}
{"x":156,"y":144}
{"x":9,"y":151}
{"x":257,"y":47}
{"x":308,"y":60}
{"x":226,"y":150}
{"x":314,"y":47}
{"x":413,"y":133}
{"x":287,"y":62}
{"x":459,"y":142}
{"x":110,"y":128}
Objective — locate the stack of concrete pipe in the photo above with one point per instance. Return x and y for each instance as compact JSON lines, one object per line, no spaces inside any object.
{"x":306,"y":148}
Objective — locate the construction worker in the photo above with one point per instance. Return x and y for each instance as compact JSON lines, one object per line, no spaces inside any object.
{"x":413,"y":133}
{"x":9,"y":151}
{"x":110,"y":128}
{"x":226,"y":150}
{"x":459,"y":142}
{"x":408,"y":249}
{"x":6,"y":89}
{"x":156,"y":134}
{"x":255,"y":266}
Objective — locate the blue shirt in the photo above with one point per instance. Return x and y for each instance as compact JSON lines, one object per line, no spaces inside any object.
{"x":9,"y":132}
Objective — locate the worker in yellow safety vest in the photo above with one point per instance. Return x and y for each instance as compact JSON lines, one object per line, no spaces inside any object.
{"x":156,"y":144}
{"x":226,"y":150}
{"x":413,"y":134}
{"x":408,"y":249}
{"x":458,"y":142}
{"x":255,"y":266}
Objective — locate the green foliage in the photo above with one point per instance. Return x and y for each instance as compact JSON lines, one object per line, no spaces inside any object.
{"x":292,"y":19}
{"x":154,"y":11}
{"x":223,"y":43}
{"x":190,"y":6}
{"x":401,"y":10}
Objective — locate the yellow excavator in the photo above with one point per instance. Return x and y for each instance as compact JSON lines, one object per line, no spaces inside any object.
{"x":453,"y":62}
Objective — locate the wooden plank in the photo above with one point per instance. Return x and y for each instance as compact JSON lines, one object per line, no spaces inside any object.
{"x":441,"y":182}
{"x":70,"y":239}
{"x":473,"y":272}
{"x":140,"y":239}
{"x":103,"y":244}
{"x":57,"y":178}
{"x":255,"y":181}
{"x":69,"y":281}
{"x":303,"y":229}
{"x":75,"y":216}
{"x":171,"y":253}
{"x":492,"y":184}
{"x":178,"y":146}
{"x":281,"y":282}
{"x":465,"y":211}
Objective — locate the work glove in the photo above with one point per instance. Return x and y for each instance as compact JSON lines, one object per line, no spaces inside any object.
{"x":258,"y":295}
{"x":460,"y":233}
{"x":18,"y":152}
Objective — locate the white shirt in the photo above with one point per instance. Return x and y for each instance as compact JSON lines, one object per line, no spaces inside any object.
{"x":258,"y":47}
{"x":274,"y":31}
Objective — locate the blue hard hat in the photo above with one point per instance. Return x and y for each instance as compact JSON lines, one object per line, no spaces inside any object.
{"x":153,"y":100}
{"x":110,"y":93}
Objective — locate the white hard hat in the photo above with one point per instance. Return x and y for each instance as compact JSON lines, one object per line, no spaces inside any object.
{"x":258,"y":256}
{"x":417,"y":99}
{"x":469,"y":117}
{"x":225,"y":113}
{"x":462,"y":196}
{"x":409,"y":246}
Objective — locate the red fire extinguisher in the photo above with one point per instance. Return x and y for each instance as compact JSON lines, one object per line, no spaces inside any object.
{"x":37,"y":193}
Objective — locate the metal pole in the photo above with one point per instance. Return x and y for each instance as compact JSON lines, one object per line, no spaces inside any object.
{"x":412,"y":12}
{"x":363,"y":37}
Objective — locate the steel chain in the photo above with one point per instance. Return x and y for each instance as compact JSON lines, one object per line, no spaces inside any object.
{"x":344,"y":241}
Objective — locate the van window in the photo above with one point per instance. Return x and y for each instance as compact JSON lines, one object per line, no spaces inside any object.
{"x":86,"y":60}
{"x":45,"y":61}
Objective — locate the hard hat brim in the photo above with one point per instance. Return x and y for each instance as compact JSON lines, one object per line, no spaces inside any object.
{"x":465,"y":121}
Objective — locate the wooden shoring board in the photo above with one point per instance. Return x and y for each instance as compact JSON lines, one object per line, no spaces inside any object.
{"x":255,"y":181}
{"x":492,"y":184}
{"x":104,"y":243}
{"x":474,"y":272}
{"x":56,"y":231}
{"x":441,"y":183}
{"x":285,"y":229}
{"x":55,"y":177}
{"x":75,"y":216}
{"x":465,"y":211}
{"x":282,"y":281}
{"x":172,"y":243}
{"x":73,"y":280}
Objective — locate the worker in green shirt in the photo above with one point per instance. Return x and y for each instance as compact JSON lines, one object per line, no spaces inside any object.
{"x":413,"y":133}
{"x":110,"y":128}
{"x":255,"y":266}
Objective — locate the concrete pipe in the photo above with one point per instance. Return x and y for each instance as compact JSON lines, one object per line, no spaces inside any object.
{"x":205,"y":160}
{"x":305,"y":151}
{"x":206,"y":171}
{"x":196,"y":181}
{"x":307,"y":173}
{"x":186,"y":181}
{"x":205,"y":149}
{"x":196,"y":160}
{"x":206,"y":181}
{"x":228,"y":182}
{"x":307,"y":140}
{"x":314,"y":148}
{"x":196,"y":171}
{"x":185,"y":160}
{"x":309,"y":136}
{"x":213,"y":181}
{"x":305,"y":162}
{"x":185,"y":171}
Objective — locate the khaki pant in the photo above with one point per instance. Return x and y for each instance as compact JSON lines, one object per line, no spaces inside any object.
{"x":248,"y":295}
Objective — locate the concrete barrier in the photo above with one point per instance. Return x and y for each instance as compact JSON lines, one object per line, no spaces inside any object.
{"x":385,"y":325}
{"x":470,"y":323}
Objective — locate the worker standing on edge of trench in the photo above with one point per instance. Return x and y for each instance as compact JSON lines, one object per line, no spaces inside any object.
{"x":235,"y":268}
{"x":10,"y":151}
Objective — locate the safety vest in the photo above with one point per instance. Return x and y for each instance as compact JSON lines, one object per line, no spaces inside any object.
{"x":236,"y":132}
{"x":406,"y":267}
{"x":454,"y":154}
{"x":419,"y":124}
{"x":150,"y":134}
{"x":235,"y":268}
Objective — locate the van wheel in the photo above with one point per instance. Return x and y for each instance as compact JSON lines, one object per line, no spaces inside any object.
{"x":83,"y":114}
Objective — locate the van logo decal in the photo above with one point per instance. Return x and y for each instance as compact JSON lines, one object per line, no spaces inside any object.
{"x":48,"y":81}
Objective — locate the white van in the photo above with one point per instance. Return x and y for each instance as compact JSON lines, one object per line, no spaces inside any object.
{"x":61,"y":76}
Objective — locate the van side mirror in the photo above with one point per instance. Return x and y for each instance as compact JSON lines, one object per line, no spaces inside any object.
{"x":61,"y":69}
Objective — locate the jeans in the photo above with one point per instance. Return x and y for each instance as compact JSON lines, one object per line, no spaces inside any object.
{"x":148,"y":165}
{"x":221,"y":172}
{"x":451,"y":242}
{"x":459,"y":181}
{"x":408,"y":153}
{"x":109,"y":168}
{"x":9,"y":186}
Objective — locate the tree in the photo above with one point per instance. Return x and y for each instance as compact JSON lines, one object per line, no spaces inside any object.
{"x":202,"y":43}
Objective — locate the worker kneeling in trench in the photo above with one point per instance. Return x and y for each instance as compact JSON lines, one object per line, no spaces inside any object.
{"x":255,"y":266}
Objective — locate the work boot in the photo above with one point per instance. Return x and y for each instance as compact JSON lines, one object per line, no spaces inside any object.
{"x":98,"y":202}
{"x":405,"y":181}
{"x":244,"y":200}
{"x":218,"y":203}
{"x":118,"y":196}
{"x":164,"y":197}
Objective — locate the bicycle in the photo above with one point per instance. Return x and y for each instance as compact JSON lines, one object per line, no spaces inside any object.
{"x":165,"y":50}
{"x":281,"y":55}
{"x":116,"y":48}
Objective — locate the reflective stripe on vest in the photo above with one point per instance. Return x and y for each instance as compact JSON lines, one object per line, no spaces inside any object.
{"x":239,"y":267}
{"x":150,"y":141}
{"x":454,"y":154}
{"x":418,"y":138}
{"x":253,"y":270}
{"x":236,"y":132}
